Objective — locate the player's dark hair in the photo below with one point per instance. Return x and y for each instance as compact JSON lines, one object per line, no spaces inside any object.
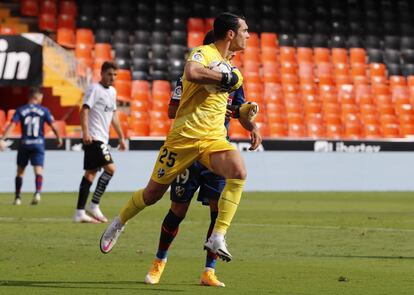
{"x":224,"y":22}
{"x":33,"y":91}
{"x":209,"y":38}
{"x":108,"y":65}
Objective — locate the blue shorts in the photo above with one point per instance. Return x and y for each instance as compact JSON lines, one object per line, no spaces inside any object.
{"x":33,"y":152}
{"x":194,"y":177}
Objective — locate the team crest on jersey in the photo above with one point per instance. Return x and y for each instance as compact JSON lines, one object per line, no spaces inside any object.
{"x":179,"y":191}
{"x":107,"y":158}
{"x":198,"y":56}
{"x":161,"y":172}
{"x":177,"y":91}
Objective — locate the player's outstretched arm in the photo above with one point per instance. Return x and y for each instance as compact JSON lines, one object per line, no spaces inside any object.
{"x":56,"y":132}
{"x":255,"y":137}
{"x":118,"y":129}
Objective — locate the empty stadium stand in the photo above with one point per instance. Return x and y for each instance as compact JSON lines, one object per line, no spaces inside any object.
{"x":337,"y":69}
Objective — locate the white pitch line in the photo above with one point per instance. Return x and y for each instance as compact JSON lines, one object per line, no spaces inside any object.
{"x":267,"y":225}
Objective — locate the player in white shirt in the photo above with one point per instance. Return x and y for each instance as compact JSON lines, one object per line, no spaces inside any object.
{"x":97,"y":113}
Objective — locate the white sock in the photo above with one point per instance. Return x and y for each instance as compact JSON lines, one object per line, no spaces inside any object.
{"x":80,"y":212}
{"x":94,"y":206}
{"x":209,"y":268}
{"x":217,"y":236}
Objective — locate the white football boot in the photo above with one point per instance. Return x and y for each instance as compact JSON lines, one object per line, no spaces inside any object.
{"x":216,"y":244}
{"x":17,"y":201}
{"x":96,"y":213}
{"x":81,"y":217}
{"x":111,"y":235}
{"x":36,"y":199}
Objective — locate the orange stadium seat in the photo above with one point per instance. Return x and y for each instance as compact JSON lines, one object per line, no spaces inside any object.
{"x":339,"y":55}
{"x":278,"y":130}
{"x":66,"y":37}
{"x":270,"y":72}
{"x":251,"y":54}
{"x":68,"y":7}
{"x":377,"y":69}
{"x":296,"y":130}
{"x":47,"y":22}
{"x":195,"y":39}
{"x":29,"y":7}
{"x":60,"y":126}
{"x":138,"y":105}
{"x":237,"y":131}
{"x":315,"y":130}
{"x":321,"y":55}
{"x":268,"y":40}
{"x":358,"y":69}
{"x":48,"y":7}
{"x":334,"y":131}
{"x":268,"y":54}
{"x":352,"y":130}
{"x":160,"y":105}
{"x":407,"y":130}
{"x":66,"y":21}
{"x":209,"y":24}
{"x":304,"y":54}
{"x":124,"y":75}
{"x":161,"y":85}
{"x":83,"y":51}
{"x":103,"y":51}
{"x":287,"y":54}
{"x":159,"y":128}
{"x":7,"y":30}
{"x":391,"y":130}
{"x":371,"y":131}
{"x":196,"y":25}
{"x":123,"y":89}
{"x":253,"y":40}
{"x":357,"y":56}
{"x":140,"y":90}
{"x":138,"y":128}
{"x":85,"y":37}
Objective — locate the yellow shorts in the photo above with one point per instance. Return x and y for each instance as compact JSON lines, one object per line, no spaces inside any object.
{"x":175,"y":157}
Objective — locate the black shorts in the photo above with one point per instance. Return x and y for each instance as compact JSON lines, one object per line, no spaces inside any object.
{"x":96,"y":156}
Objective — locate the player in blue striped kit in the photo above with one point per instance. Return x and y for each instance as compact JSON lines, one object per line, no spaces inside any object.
{"x":32,"y":117}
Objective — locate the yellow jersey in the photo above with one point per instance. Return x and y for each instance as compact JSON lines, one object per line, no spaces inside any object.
{"x":200,"y":114}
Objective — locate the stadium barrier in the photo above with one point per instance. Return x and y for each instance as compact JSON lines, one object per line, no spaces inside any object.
{"x":306,"y":165}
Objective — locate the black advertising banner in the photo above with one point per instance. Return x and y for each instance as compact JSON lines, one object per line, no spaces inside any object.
{"x":21,"y":61}
{"x":318,"y":146}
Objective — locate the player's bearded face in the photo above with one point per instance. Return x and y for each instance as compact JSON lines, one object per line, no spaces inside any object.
{"x":239,"y":41}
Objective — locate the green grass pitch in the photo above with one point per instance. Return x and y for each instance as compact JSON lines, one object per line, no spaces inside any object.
{"x":282,"y":243}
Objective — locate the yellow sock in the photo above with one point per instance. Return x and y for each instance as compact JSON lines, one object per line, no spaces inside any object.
{"x":227,"y":205}
{"x":134,"y":205}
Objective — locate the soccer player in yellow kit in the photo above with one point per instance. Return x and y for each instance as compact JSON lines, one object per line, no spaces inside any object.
{"x":198,"y":134}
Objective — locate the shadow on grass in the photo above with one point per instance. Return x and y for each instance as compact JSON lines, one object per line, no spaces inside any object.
{"x":104,"y":285}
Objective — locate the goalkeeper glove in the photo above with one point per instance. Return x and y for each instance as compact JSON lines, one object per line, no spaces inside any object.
{"x":247,"y":110}
{"x":231,"y":81}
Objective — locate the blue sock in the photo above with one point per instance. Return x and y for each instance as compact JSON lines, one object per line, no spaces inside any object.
{"x":211,"y":261}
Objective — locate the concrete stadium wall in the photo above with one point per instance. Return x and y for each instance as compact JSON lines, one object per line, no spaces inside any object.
{"x":267,"y":171}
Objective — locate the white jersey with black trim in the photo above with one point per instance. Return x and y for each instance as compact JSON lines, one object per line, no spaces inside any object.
{"x":102,"y":104}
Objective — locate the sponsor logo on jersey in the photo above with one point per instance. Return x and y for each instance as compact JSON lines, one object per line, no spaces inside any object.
{"x":179,"y":191}
{"x":109,"y":109}
{"x":161,"y":172}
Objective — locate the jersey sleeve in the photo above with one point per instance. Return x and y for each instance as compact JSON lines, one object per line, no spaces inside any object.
{"x":49,"y":117}
{"x":16,"y":116}
{"x":176,"y":95}
{"x":199,"y":55}
{"x":90,"y":96}
{"x":239,"y":97}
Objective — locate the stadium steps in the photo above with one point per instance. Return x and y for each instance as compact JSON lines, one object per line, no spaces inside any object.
{"x":58,"y":76}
